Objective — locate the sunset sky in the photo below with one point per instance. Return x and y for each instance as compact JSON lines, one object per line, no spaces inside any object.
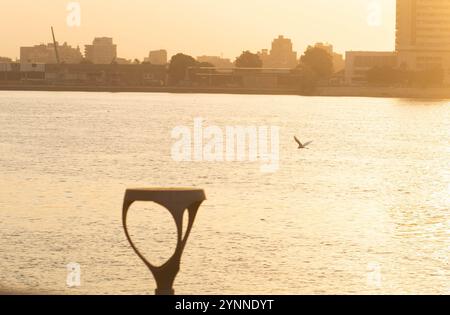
{"x":197,"y":27}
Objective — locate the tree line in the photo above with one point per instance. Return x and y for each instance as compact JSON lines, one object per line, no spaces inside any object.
{"x":315,"y":65}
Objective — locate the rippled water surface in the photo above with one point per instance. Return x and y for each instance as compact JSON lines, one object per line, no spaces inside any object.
{"x":369,"y":199}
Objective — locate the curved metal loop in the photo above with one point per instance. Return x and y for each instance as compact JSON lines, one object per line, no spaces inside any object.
{"x":176,"y":202}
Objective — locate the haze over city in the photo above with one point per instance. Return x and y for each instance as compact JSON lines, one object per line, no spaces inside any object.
{"x":201,"y":26}
{"x":224,"y":147}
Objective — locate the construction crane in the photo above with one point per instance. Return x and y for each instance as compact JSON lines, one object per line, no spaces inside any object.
{"x":55,"y":45}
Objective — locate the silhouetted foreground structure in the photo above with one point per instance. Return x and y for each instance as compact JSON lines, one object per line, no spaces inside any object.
{"x":176,"y":201}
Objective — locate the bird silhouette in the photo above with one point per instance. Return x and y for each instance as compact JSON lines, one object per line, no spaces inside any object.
{"x":301,"y":145}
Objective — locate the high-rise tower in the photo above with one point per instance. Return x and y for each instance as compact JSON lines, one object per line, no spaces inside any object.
{"x":423,"y":34}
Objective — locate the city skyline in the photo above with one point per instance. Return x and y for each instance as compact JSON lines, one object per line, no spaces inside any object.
{"x":191,"y":28}
{"x":421,"y":55}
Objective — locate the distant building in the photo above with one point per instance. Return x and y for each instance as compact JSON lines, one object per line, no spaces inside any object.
{"x":358,"y":63}
{"x":39,"y":53}
{"x":281,"y":55}
{"x":22,"y":71}
{"x":157,"y":57}
{"x":265,"y":57}
{"x":7,"y":67}
{"x":338,"y":59}
{"x":216,"y":61}
{"x":102,"y":51}
{"x":32,"y":71}
{"x":132,"y":75}
{"x":46,"y":54}
{"x":123,"y":61}
{"x":69,"y":55}
{"x":10,"y":72}
{"x":423,"y":35}
{"x":5,"y":60}
{"x":250,"y":78}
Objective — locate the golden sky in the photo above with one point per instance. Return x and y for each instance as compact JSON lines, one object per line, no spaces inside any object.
{"x":197,"y":27}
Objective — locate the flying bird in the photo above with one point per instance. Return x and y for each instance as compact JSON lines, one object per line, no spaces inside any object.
{"x":301,"y":145}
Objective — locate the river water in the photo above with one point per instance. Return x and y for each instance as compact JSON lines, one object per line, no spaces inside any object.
{"x":366,"y":209}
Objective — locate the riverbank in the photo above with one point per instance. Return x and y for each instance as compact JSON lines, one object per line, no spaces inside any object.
{"x":390,"y":92}
{"x":336,"y":91}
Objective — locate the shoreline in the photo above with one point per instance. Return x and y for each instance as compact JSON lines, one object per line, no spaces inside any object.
{"x":332,"y":91}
